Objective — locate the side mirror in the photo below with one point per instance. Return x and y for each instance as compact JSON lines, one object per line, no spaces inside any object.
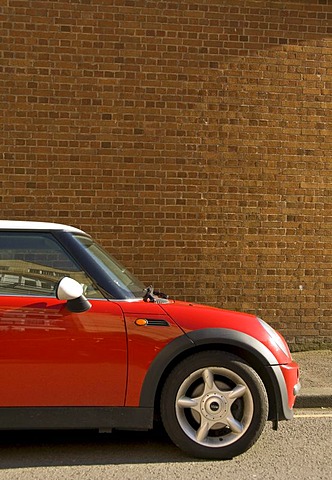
{"x":70,"y":290}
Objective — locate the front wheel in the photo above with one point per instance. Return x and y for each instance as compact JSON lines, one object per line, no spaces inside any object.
{"x":213,"y":405}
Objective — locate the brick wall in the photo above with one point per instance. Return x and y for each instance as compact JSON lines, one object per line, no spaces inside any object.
{"x":192,"y":137}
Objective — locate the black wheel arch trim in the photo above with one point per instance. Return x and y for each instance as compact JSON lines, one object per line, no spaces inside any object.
{"x":189,"y":342}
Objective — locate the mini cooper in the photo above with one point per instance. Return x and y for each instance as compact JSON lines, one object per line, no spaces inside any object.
{"x":86,"y":345}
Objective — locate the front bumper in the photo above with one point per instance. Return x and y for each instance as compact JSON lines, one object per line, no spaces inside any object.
{"x":290,"y":373}
{"x":287,"y":386}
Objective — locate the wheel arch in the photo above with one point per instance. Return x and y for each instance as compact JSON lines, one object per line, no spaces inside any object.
{"x":253,"y":352}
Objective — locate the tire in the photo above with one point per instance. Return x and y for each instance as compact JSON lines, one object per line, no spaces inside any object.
{"x":213,"y":405}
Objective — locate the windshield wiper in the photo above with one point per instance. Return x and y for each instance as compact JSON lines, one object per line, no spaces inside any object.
{"x":154,"y":296}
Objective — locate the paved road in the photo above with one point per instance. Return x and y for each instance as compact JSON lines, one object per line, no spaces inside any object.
{"x":301,"y":449}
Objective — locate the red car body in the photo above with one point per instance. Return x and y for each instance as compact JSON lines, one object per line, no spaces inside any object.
{"x":105,"y":365}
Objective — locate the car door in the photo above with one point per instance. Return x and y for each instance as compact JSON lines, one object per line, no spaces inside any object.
{"x":48,"y":355}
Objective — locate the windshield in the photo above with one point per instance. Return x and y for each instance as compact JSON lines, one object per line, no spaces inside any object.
{"x":117,"y":274}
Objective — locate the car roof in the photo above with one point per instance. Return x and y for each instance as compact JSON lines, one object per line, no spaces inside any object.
{"x":26,"y":225}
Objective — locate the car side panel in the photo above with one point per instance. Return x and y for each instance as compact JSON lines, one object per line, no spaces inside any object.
{"x":145,"y":342}
{"x":51,"y":357}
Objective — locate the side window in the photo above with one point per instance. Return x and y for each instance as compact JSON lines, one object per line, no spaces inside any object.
{"x":33,"y":263}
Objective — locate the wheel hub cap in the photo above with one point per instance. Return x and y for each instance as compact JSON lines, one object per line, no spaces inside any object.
{"x":213,"y":406}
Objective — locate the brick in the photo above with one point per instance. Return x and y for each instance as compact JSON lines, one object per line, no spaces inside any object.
{"x":193,"y":139}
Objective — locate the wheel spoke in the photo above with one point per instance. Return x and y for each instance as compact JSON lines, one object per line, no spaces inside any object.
{"x":237,"y":392}
{"x":234,"y":424}
{"x":202,"y":432}
{"x":208,"y":379}
{"x":187,"y":402}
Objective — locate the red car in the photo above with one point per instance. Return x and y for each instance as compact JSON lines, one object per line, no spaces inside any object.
{"x":85,"y":345}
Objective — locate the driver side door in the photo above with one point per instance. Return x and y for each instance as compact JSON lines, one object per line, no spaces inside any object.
{"x":48,"y":355}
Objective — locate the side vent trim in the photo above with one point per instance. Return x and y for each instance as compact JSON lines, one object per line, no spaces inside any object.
{"x":151,"y":322}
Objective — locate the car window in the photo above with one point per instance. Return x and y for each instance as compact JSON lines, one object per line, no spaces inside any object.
{"x":33,"y":263}
{"x":124,"y":281}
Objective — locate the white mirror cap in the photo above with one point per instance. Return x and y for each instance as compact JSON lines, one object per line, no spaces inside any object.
{"x":68,"y":289}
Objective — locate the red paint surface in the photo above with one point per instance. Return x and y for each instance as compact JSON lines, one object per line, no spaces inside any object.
{"x":51,"y":357}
